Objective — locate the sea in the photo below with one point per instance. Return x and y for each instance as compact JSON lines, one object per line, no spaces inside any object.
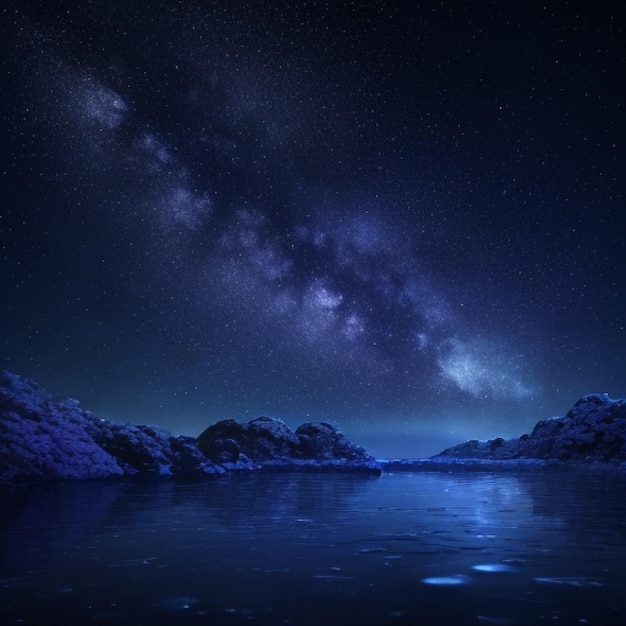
{"x":529,"y":547}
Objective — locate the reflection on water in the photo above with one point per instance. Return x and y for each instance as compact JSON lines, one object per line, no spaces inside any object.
{"x":415,"y":548}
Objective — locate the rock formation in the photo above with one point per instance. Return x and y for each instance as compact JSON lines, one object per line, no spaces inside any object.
{"x":593,"y":430}
{"x":269,"y":442}
{"x":44,"y":437}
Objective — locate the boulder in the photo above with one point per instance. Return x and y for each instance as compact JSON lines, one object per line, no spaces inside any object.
{"x":271,"y":439}
{"x":261,"y":439}
{"x":323,"y":442}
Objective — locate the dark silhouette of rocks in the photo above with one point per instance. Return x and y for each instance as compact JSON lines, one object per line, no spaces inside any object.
{"x":269,"y":442}
{"x":594,"y":430}
{"x":322,"y":441}
{"x":149,"y":450}
{"x":47,"y":437}
{"x":259,"y":440}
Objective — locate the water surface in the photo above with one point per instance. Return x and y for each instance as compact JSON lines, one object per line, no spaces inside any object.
{"x":538,"y":547}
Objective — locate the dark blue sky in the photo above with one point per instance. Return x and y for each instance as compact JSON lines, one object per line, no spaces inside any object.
{"x":404,"y":218}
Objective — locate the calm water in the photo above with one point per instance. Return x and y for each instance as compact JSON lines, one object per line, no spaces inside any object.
{"x":408,"y":548}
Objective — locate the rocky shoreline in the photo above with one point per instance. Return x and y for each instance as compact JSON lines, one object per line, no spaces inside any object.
{"x":44,"y":437}
{"x":592,"y":432}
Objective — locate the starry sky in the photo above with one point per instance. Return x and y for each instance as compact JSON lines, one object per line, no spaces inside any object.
{"x":405,"y":218}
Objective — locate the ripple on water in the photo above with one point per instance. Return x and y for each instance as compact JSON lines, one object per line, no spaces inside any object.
{"x":494,"y":568}
{"x":376,"y":550}
{"x":333,"y":578}
{"x":447,"y":581}
{"x":572,"y":581}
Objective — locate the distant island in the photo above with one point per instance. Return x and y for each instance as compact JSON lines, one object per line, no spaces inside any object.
{"x":43,"y":437}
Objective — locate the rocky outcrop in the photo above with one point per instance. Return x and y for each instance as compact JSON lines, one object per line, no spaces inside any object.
{"x":323,"y":442}
{"x":267,"y":442}
{"x":140,"y":449}
{"x":41,"y":437}
{"x":45,"y":437}
{"x":594,"y":430}
{"x":243,"y":445}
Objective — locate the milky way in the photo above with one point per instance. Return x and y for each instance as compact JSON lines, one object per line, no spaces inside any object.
{"x":406,"y":221}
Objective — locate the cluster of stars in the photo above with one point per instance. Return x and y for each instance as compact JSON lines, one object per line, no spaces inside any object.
{"x":366,"y":213}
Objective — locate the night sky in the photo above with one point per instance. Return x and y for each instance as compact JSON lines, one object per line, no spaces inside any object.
{"x":405,"y":218}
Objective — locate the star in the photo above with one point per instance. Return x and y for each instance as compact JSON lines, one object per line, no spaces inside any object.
{"x":398,"y":220}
